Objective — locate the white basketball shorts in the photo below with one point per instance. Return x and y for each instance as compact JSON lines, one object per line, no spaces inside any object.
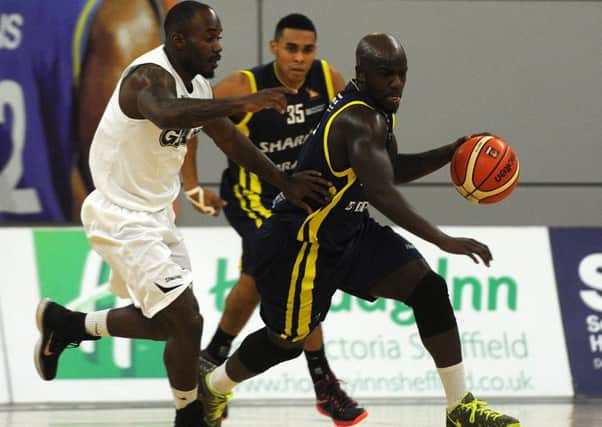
{"x":149,"y":262}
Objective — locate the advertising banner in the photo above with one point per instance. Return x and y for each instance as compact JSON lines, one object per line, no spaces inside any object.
{"x":578,"y":264}
{"x":508,"y":317}
{"x":4,"y":379}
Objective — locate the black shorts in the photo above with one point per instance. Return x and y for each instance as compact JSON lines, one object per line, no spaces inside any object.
{"x":245,"y":212}
{"x":297,"y":280}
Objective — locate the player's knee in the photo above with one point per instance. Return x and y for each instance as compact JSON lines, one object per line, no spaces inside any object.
{"x":432,"y":308}
{"x":259,"y":352}
{"x":244,"y":292}
{"x":192,"y":324}
{"x":182,"y":317}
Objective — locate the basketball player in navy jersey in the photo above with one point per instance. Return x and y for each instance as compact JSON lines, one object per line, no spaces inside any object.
{"x":300,"y":260}
{"x":58,"y":68}
{"x":249,"y":198}
{"x":162,"y":99}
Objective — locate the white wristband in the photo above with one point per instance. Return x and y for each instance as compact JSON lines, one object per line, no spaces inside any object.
{"x":196,"y":196}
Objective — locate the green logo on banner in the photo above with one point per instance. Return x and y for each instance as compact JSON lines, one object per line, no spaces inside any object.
{"x":72,"y":274}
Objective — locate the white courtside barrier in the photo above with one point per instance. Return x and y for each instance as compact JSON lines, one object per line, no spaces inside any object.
{"x":508,"y":316}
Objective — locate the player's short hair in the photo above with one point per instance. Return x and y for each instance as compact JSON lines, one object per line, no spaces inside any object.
{"x":295,"y":21}
{"x":179,"y":17}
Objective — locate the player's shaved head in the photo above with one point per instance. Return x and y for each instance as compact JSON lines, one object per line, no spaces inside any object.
{"x":380,"y":69}
{"x":377,"y":48}
{"x":180,"y":17}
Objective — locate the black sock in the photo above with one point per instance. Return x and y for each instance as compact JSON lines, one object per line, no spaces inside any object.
{"x":219,"y":347}
{"x":75,"y":327}
{"x":317,"y":364}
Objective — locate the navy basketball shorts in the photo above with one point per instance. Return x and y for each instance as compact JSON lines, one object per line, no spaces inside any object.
{"x":243,"y":215}
{"x":297,"y":280}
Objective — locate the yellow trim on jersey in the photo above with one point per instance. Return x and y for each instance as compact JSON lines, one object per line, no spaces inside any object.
{"x":243,"y":205}
{"x":394,"y":120}
{"x":309,"y":259}
{"x":306,"y":297}
{"x":80,"y":27}
{"x":327,"y":130}
{"x":328,"y":79}
{"x":316,"y":218}
{"x":242,"y":125}
{"x":254,"y":196}
{"x":290,"y":302}
{"x":249,"y":198}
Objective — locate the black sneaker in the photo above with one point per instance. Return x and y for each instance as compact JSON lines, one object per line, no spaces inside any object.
{"x":206,"y":365}
{"x":190,"y":416}
{"x":471,"y":412}
{"x":336,"y":404}
{"x":56,"y":326}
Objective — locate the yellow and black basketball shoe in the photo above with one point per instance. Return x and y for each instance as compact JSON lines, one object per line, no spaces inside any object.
{"x":471,"y":412}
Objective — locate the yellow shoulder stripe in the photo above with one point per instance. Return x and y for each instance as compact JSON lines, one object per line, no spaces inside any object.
{"x":328,"y":79}
{"x":242,"y":125}
{"x":338,"y":174}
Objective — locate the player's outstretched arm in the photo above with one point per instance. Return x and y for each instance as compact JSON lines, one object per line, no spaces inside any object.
{"x":363,"y":132}
{"x":409,"y":167}
{"x":150,"y":93}
{"x":240,"y":149}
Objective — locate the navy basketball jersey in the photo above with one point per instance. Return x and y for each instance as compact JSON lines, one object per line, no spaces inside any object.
{"x":41,"y":51}
{"x":279,"y":136}
{"x":334,"y":224}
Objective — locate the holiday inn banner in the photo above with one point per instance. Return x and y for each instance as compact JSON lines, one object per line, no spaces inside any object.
{"x":508,"y":314}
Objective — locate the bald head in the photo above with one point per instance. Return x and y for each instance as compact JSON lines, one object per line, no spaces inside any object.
{"x":378,"y":48}
{"x":181,"y":16}
{"x":380,"y":69}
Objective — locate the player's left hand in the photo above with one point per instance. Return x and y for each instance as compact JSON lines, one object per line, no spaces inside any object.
{"x":467,"y":246}
{"x":308,"y":184}
{"x":205,"y":201}
{"x":456,"y":144}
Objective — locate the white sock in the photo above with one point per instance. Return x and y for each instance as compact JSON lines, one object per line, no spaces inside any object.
{"x":219,"y":380}
{"x":96,"y":323}
{"x":454,"y":383}
{"x":184,"y":398}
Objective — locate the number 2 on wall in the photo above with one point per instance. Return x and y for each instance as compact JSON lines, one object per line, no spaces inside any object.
{"x":13,"y":199}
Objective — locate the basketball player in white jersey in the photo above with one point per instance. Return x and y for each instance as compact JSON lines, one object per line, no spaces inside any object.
{"x":161,"y":100}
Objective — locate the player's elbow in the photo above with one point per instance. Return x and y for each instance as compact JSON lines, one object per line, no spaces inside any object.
{"x":164,"y":120}
{"x":378,"y":197}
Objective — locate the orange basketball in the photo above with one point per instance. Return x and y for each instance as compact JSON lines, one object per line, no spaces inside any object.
{"x":484,"y":169}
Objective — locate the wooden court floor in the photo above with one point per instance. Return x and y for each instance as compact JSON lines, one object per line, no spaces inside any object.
{"x":301,"y":414}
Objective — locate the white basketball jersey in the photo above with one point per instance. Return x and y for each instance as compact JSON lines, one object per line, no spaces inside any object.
{"x":134,"y":163}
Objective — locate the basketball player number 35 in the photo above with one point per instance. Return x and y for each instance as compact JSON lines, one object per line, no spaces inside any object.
{"x":23,"y":200}
{"x":295,"y":114}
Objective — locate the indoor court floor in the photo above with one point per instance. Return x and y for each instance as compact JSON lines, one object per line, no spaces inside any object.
{"x":301,"y":414}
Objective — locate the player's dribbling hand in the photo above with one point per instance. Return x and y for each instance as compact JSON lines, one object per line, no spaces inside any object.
{"x":466,"y":246}
{"x":205,"y":201}
{"x":268,"y":98}
{"x":308,"y":184}
{"x":465,"y":138}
